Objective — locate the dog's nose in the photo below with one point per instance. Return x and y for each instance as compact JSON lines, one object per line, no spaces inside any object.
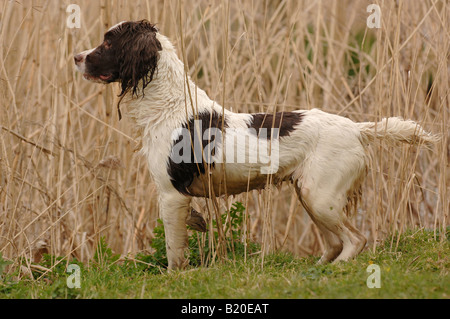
{"x":78,"y":58}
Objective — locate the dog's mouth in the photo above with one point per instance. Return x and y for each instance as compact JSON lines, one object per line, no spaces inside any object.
{"x":104,"y":78}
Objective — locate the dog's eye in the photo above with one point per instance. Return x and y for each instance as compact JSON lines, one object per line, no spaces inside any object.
{"x":107,"y":44}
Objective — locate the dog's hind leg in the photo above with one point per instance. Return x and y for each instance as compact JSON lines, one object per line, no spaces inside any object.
{"x":353,"y":242}
{"x":343,"y":241}
{"x":333,"y":245}
{"x":324,"y":190}
{"x":175,"y":210}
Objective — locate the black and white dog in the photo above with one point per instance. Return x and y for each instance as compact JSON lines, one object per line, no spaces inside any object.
{"x":195,"y":147}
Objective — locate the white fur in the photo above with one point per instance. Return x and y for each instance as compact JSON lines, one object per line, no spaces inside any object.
{"x":116,"y":25}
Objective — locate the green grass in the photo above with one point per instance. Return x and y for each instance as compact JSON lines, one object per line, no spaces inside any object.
{"x":419,"y":268}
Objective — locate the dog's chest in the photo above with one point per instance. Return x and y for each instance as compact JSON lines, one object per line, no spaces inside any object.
{"x":156,"y":148}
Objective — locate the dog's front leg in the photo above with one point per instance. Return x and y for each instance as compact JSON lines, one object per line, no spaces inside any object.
{"x":174,"y":212}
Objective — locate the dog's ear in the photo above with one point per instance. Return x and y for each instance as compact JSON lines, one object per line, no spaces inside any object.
{"x":138,"y":57}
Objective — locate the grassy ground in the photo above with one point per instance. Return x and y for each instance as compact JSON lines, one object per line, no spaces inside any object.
{"x":418,"y":269}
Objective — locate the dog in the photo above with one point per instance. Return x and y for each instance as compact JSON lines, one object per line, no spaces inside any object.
{"x":196,"y":148}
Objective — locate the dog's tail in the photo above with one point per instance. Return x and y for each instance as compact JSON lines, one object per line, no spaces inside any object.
{"x":395,"y":129}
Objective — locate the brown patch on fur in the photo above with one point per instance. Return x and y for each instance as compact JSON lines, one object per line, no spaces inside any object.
{"x":284,"y":121}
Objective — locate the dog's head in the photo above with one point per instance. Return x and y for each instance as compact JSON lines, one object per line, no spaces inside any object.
{"x":129,"y":54}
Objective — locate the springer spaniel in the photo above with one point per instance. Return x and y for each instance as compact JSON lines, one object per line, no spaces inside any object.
{"x":195,"y":147}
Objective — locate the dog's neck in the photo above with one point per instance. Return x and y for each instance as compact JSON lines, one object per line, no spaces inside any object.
{"x":171,"y":97}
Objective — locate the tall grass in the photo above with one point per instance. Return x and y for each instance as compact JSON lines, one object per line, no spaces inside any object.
{"x":70,"y":173}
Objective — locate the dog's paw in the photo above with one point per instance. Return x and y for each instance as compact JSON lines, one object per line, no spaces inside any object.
{"x":196,"y":221}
